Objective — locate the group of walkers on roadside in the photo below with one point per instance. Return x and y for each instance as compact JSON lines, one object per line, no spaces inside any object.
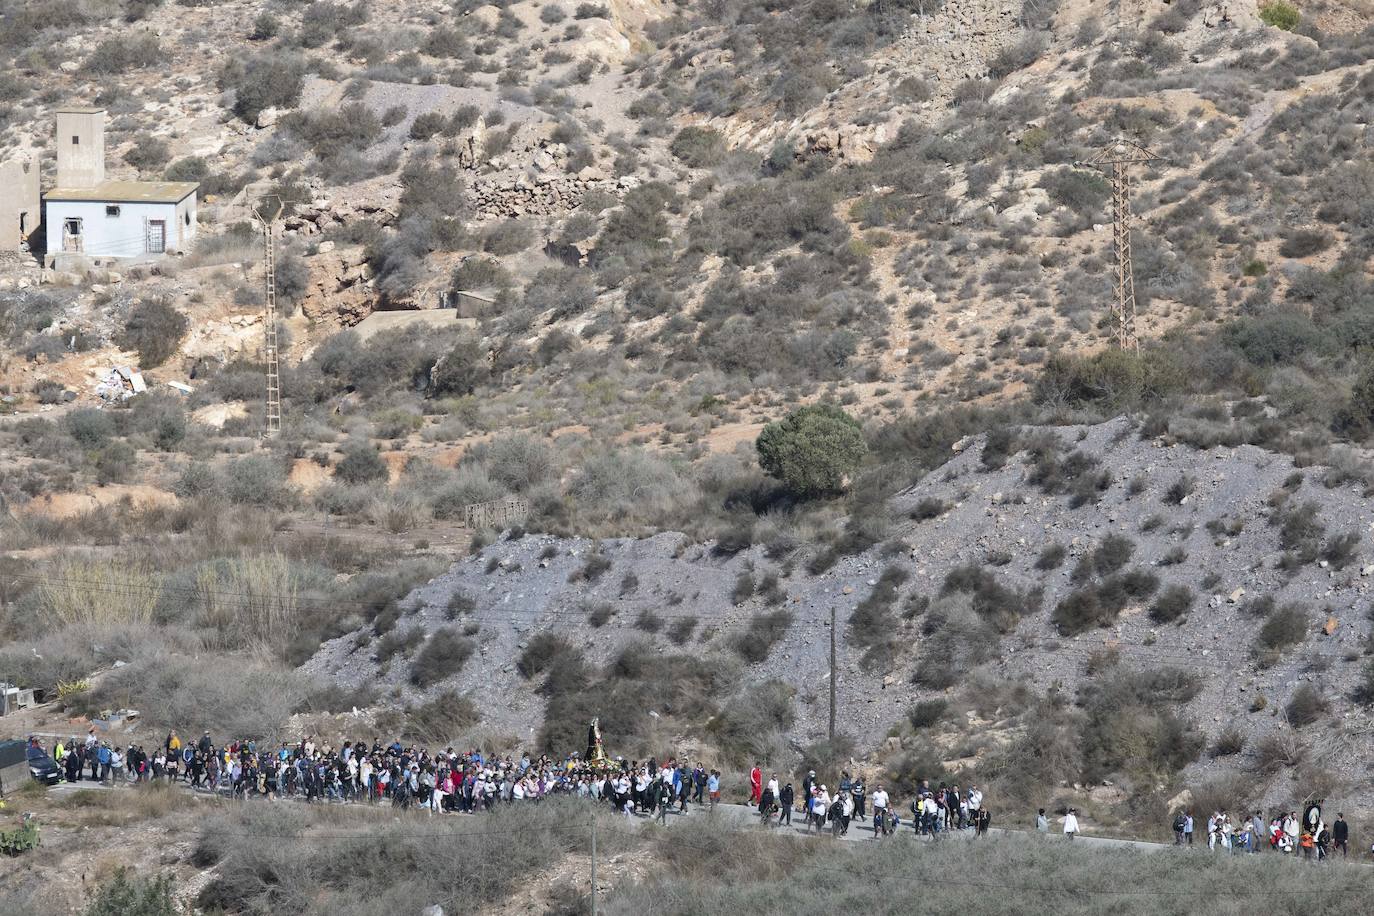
{"x":447,"y":781}
{"x":932,"y":810}
{"x":451,"y":781}
{"x":1309,"y":836}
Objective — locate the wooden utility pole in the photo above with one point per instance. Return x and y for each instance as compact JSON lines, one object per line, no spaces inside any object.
{"x":834,"y":675}
{"x":1116,"y":159}
{"x":272,"y":421}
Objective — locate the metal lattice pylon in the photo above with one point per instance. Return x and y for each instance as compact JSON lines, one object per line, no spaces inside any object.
{"x":272,"y":416}
{"x":1116,"y":159}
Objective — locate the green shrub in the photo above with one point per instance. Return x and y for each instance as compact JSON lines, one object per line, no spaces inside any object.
{"x":130,"y":895}
{"x":873,"y":625}
{"x":1285,"y":627}
{"x":426,"y":125}
{"x":433,"y":723}
{"x":148,"y":153}
{"x":1083,"y":191}
{"x":197,"y":479}
{"x":265,"y":27}
{"x":1051,"y":557}
{"x":1081,"y":610}
{"x":999,"y":606}
{"x":1113,"y":553}
{"x":1229,"y":743}
{"x":443,"y":656}
{"x":91,"y":428}
{"x":122,"y":54}
{"x":20,"y":839}
{"x":256,"y":480}
{"x":268,"y":80}
{"x":154,"y":329}
{"x":764,"y":632}
{"x":115,"y":463}
{"x":698,"y":147}
{"x":361,"y":463}
{"x":1131,"y":725}
{"x":507,"y":237}
{"x":1173,"y":603}
{"x":813,"y":451}
{"x":540,"y":653}
{"x":1110,"y":381}
{"x":1306,"y":706}
{"x":1302,"y":243}
{"x":926,"y":713}
{"x":1280,"y":14}
{"x":929,"y":507}
{"x":1017,"y":56}
{"x":462,"y":369}
{"x":749,"y":727}
{"x":563,"y":292}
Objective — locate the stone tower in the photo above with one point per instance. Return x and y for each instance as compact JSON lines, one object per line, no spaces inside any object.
{"x":80,"y":147}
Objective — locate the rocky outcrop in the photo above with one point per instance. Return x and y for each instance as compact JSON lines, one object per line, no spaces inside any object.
{"x":324,"y":213}
{"x":525,"y":195}
{"x":340,"y":290}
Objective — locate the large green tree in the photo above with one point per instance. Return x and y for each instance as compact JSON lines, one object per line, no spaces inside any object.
{"x":813,"y":450}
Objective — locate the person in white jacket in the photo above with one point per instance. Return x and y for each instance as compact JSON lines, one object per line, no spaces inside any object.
{"x":820,"y":805}
{"x":879,"y":810}
{"x":1071,"y":823}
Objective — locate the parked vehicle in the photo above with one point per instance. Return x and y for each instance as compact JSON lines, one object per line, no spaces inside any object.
{"x":42,"y":767}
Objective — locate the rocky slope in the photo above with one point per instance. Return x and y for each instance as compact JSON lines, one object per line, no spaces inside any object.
{"x":1218,"y":542}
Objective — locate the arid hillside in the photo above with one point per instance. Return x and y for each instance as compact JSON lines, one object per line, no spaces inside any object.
{"x":621,"y":343}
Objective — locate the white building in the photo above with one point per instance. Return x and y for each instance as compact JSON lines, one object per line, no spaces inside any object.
{"x":88,"y":220}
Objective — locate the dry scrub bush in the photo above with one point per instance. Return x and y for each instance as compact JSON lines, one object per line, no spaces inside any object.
{"x":752,"y":726}
{"x":252,"y":602}
{"x":394,"y":866}
{"x":100,"y":593}
{"x":768,"y":878}
{"x":231,"y":696}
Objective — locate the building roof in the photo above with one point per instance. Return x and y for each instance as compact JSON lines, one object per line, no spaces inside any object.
{"x":133,"y":192}
{"x":79,"y":109}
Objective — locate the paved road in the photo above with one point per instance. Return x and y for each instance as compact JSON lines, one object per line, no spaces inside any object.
{"x":859,"y":831}
{"x":862,"y":831}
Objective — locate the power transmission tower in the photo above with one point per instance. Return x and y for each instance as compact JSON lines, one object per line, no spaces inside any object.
{"x":272,"y":420}
{"x":1116,"y":160}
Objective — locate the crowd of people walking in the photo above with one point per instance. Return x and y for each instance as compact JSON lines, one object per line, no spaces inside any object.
{"x":469,"y":781}
{"x":1309,"y":836}
{"x":446,"y":781}
{"x":932,"y":810}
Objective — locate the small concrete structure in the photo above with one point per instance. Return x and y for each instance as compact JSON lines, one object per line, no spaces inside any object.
{"x":89,"y":221}
{"x":80,"y":147}
{"x":438,"y":319}
{"x":121,"y":219}
{"x":21,"y":210}
{"x":473,"y":303}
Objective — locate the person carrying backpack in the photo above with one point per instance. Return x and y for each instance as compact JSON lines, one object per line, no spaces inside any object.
{"x":1180,"y":824}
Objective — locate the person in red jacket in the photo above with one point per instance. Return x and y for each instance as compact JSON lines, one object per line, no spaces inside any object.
{"x":755,"y":785}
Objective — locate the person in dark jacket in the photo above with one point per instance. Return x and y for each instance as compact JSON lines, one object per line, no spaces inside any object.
{"x":785,"y":799}
{"x":1340,"y":835}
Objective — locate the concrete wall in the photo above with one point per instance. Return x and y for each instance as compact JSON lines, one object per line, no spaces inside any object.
{"x":122,"y":236}
{"x":20,"y":209}
{"x":186,"y":225}
{"x":80,"y":147}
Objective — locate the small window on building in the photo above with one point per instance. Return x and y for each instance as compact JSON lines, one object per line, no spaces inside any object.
{"x":76,"y":141}
{"x":111,"y":209}
{"x":187,"y":218}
